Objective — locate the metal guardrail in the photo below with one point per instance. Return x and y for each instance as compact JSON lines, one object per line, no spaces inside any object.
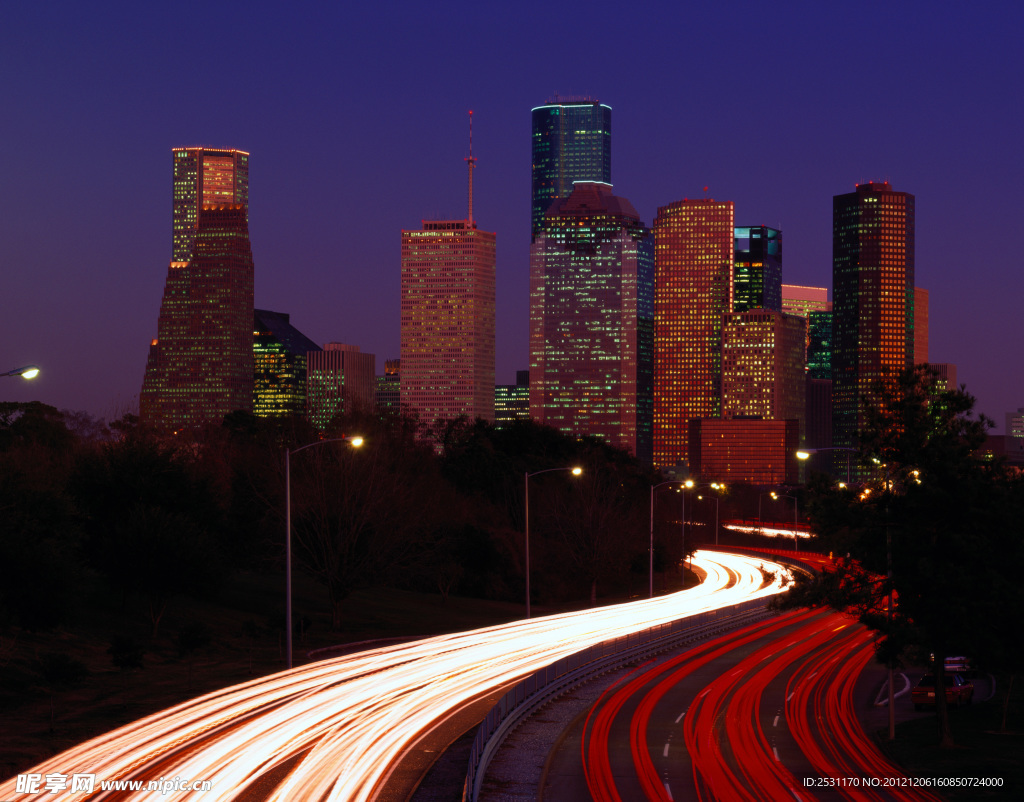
{"x":574,"y":670}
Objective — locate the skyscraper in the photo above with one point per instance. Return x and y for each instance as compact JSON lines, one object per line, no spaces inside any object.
{"x":340,"y":379}
{"x":447,"y":333}
{"x":591,"y":309}
{"x":920,"y":325}
{"x":200,"y":365}
{"x":572,"y":141}
{"x":873,"y":286}
{"x":693,"y":266}
{"x":763,"y":366}
{"x":280,"y":362}
{"x":757,"y":271}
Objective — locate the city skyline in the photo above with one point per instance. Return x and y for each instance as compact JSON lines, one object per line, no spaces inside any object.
{"x":98,"y":99}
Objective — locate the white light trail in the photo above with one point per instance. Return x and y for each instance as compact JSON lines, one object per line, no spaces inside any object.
{"x":352,"y":716}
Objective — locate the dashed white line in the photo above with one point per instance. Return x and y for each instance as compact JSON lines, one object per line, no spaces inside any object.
{"x":790,"y":696}
{"x":775,"y":749}
{"x":680,"y":717}
{"x":664,"y":752}
{"x":668,"y":791}
{"x":776,"y":722}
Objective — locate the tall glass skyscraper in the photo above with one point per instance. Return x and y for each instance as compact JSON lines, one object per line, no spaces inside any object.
{"x":757,"y":270}
{"x":591,"y":320}
{"x":200,"y":365}
{"x":693,"y":270}
{"x":572,"y":141}
{"x":873,"y":297}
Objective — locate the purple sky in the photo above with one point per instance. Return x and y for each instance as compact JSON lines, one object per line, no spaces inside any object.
{"x":355,"y":116}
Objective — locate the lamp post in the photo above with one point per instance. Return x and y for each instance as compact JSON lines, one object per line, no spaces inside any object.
{"x":356,"y":442}
{"x":650,"y":552}
{"x":796,"y":518}
{"x":715,"y":486}
{"x":27,"y":372}
{"x":806,"y":453}
{"x":526,"y":481}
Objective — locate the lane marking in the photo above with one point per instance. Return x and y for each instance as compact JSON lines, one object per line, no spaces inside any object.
{"x":775,"y":749}
{"x":680,"y":717}
{"x":776,"y":722}
{"x":664,"y":752}
{"x":790,"y":696}
{"x":668,"y":791}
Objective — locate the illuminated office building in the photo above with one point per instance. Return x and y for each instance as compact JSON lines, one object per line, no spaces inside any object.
{"x":572,"y":141}
{"x":279,"y":361}
{"x":388,"y":393}
{"x":756,"y":452}
{"x":693,"y":267}
{"x":873,"y":307}
{"x":339,"y":379}
{"x":200,"y":365}
{"x":591,"y":297}
{"x":757,"y":269}
{"x":512,"y":401}
{"x":447,"y":338}
{"x":819,"y":345}
{"x":763,"y":366}
{"x":800,"y":300}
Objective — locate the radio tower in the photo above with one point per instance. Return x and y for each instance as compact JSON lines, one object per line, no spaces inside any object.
{"x":472,"y":163}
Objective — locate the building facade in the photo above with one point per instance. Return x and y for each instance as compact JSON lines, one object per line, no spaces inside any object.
{"x":279,"y":361}
{"x":447,"y":329}
{"x":873,"y":307}
{"x":757,"y":270}
{"x":800,"y":300}
{"x":757,"y":452}
{"x":571,"y":141}
{"x":200,"y":365}
{"x":591,"y":328}
{"x":388,"y":395}
{"x":693,"y":267}
{"x":763,"y":366}
{"x":920,"y":326}
{"x":340,"y":379}
{"x":512,"y":401}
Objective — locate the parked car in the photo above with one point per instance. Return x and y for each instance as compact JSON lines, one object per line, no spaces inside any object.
{"x":958,"y":691}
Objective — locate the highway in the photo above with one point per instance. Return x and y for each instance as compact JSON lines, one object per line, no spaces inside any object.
{"x":764,"y":712}
{"x":334,"y":729}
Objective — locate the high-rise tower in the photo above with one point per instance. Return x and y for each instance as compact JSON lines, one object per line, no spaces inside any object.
{"x":757,"y":271}
{"x":591,"y":309}
{"x":447,"y":330}
{"x":873,"y":297}
{"x":693,"y":266}
{"x":200,"y":365}
{"x":572,"y":141}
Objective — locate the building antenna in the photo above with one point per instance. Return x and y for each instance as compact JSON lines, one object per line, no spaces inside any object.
{"x":472,"y":163}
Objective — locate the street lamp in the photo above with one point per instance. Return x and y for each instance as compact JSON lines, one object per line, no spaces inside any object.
{"x":526,"y":481}
{"x":686,"y":483}
{"x":27,"y":372}
{"x":354,"y":441}
{"x":796,"y":518}
{"x":715,"y":486}
{"x":806,"y":453}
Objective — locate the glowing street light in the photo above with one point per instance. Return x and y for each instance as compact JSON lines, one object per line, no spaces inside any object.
{"x":796,"y":518}
{"x":27,"y":372}
{"x":806,"y":453}
{"x":575,"y":472}
{"x":356,"y":442}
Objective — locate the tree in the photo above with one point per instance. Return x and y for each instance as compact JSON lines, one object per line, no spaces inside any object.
{"x":357,"y":514}
{"x":933,"y":516}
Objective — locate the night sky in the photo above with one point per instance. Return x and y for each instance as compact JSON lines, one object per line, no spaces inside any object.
{"x":355,"y":115}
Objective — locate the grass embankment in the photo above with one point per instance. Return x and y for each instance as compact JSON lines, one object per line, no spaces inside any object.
{"x":981,"y":750}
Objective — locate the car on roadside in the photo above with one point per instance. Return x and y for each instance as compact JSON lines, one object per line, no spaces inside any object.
{"x":959,"y":691}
